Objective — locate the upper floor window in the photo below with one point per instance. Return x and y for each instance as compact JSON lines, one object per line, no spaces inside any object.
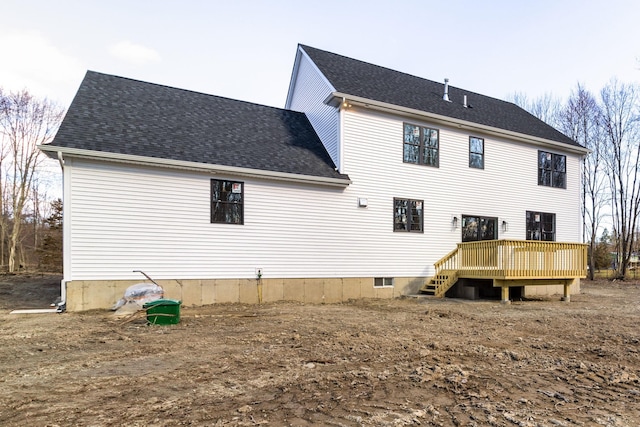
{"x":541,"y":226}
{"x":552,"y":169}
{"x":408,"y":215}
{"x":476,"y":152}
{"x":227,"y":202}
{"x":421,"y":145}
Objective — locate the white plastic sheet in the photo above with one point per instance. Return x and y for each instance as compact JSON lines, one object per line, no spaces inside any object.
{"x":139,"y":294}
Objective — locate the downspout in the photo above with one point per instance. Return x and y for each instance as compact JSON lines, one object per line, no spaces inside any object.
{"x":343,"y":106}
{"x":61,"y":306}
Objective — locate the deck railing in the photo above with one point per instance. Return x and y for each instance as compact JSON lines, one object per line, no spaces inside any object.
{"x":516,"y":259}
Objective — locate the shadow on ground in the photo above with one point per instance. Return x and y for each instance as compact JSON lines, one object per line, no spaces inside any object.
{"x":28,"y":290}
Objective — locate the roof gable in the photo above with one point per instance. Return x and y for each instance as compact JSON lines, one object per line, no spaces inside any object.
{"x":365,"y":80}
{"x":123,"y":116}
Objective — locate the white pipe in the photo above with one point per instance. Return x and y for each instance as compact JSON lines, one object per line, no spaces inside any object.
{"x":446,"y":90}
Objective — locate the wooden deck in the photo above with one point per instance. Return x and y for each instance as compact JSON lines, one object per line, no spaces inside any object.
{"x":511,"y":263}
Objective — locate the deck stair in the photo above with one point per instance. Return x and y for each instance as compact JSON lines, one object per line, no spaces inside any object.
{"x":440,"y":283}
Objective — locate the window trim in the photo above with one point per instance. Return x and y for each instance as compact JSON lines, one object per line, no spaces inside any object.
{"x":552,"y":170}
{"x":421,"y":145}
{"x":409,"y":216}
{"x":474,"y":152}
{"x":213,"y":202}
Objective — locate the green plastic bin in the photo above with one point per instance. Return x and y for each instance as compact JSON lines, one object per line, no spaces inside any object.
{"x":163,"y":312}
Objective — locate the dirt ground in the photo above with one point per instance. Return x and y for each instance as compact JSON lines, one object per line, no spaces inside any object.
{"x":366,"y":363}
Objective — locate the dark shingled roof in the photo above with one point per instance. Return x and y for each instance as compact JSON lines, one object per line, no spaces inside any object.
{"x":118,"y":115}
{"x":357,"y":78}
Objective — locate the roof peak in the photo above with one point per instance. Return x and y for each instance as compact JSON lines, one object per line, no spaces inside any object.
{"x":371,"y":64}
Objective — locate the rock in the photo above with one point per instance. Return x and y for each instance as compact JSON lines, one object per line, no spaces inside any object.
{"x":245,"y":409}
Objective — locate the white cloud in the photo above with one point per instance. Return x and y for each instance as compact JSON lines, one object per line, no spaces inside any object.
{"x":32,"y":62}
{"x":134,"y":53}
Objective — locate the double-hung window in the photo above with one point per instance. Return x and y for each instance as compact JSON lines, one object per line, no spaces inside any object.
{"x":552,"y":169}
{"x":476,"y":152}
{"x":421,"y":145}
{"x":408,"y":215}
{"x":227,"y":202}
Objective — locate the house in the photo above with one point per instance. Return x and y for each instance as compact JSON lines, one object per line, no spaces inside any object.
{"x":370,"y":183}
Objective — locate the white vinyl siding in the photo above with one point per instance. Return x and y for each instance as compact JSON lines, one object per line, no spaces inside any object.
{"x":158,"y":220}
{"x":506,"y":188}
{"x":120,"y":218}
{"x":308,"y":96}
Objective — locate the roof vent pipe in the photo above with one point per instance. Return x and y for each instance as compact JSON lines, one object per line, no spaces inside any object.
{"x":464,"y":101}
{"x":446,"y":90}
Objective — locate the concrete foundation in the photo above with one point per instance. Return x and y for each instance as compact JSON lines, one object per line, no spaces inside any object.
{"x":533,"y":291}
{"x":543,"y":287}
{"x":85,"y":295}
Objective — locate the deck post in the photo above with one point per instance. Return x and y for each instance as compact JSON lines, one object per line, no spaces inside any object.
{"x":567,"y":287}
{"x":505,"y":295}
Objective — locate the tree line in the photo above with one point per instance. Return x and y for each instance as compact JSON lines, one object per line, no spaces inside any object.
{"x":30,"y":217}
{"x":608,"y":124}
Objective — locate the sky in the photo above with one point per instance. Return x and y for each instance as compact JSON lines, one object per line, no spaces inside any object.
{"x":245,"y":49}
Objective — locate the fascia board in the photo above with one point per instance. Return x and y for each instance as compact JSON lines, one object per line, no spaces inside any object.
{"x":337,"y":97}
{"x":53,"y":152}
{"x":294,"y":78}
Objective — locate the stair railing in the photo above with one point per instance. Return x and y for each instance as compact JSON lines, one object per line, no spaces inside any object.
{"x":448,"y":262}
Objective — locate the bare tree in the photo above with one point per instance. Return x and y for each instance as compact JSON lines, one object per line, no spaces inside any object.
{"x":547,"y":107}
{"x":581,"y":120}
{"x":50,"y":252}
{"x":25,"y":123}
{"x":621,"y":121}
